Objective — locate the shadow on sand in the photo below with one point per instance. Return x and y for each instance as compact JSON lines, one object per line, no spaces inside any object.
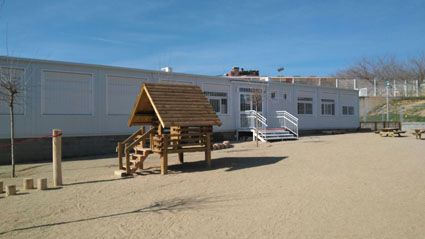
{"x":173,"y":205}
{"x":97,"y":181}
{"x":229,"y":163}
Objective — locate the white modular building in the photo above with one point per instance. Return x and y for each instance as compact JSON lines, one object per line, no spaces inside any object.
{"x":92,"y":103}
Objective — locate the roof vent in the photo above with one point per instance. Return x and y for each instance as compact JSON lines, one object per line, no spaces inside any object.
{"x":167,"y":69}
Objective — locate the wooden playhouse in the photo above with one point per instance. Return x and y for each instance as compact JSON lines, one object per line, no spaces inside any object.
{"x":172,"y":119}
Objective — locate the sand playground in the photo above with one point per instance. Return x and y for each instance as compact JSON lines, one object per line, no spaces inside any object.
{"x":337,"y":186}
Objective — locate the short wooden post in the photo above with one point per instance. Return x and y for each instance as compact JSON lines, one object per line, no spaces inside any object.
{"x":127,"y":161}
{"x":1,"y":186}
{"x":10,"y":190}
{"x":119,"y":149}
{"x":208,"y":149}
{"x":42,"y":184}
{"x":181,"y":157}
{"x":57,"y":157}
{"x":151,"y":135}
{"x":28,"y":183}
{"x":164,"y":156}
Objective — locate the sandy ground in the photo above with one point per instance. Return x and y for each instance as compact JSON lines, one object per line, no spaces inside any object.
{"x":339,"y":186}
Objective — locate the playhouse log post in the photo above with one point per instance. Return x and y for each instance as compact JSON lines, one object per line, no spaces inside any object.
{"x":152,"y":134}
{"x":127,"y":160}
{"x":181,"y":157}
{"x":119,"y":149}
{"x":164,"y":157}
{"x":57,"y":157}
{"x":208,"y":149}
{"x":142,"y":132}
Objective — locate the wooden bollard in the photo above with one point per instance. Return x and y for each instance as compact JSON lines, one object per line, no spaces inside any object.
{"x":10,"y":190}
{"x":42,"y":184}
{"x":57,"y":157}
{"x":1,"y":186}
{"x":28,"y":183}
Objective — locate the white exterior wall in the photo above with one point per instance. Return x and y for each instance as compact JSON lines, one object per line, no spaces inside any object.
{"x":342,"y":97}
{"x":90,"y":100}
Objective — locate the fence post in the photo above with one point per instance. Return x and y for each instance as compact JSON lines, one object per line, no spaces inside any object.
{"x":57,"y":157}
{"x":417,"y":88}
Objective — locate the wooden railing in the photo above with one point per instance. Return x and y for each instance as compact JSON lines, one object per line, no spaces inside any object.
{"x":129,"y":143}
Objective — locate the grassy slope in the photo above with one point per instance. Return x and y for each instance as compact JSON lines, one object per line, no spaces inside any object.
{"x":411,"y":109}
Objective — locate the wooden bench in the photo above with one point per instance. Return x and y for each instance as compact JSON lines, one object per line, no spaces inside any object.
{"x":385,"y":132}
{"x":418,"y":133}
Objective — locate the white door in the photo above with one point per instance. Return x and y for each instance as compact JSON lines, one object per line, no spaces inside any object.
{"x":248,"y":101}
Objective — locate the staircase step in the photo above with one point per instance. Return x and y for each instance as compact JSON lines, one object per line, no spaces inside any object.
{"x":141,"y":148}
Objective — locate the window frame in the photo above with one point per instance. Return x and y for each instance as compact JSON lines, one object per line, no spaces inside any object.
{"x":327,"y":107}
{"x":348,"y":107}
{"x":304,"y":102}
{"x":220,"y":96}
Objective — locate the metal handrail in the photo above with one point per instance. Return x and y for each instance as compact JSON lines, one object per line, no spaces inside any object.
{"x":284,"y":118}
{"x":255,"y":115}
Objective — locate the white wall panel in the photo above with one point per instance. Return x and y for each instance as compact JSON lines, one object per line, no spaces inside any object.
{"x":121,"y":94}
{"x":66,"y":93}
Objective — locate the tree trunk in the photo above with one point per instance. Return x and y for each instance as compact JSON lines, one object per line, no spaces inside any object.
{"x":256,"y":123}
{"x":12,"y":139}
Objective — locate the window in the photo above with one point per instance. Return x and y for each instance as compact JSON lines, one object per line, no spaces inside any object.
{"x":250,"y":90}
{"x":245,"y":102}
{"x":305,"y":106}
{"x":328,"y":107}
{"x":348,"y":110}
{"x":273,"y":95}
{"x":218,"y":101}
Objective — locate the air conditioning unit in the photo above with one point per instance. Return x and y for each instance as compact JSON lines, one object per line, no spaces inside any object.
{"x":363,"y":92}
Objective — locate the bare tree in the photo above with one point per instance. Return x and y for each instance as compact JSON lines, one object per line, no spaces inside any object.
{"x":362,"y":69}
{"x":257,"y":102}
{"x":417,"y":68}
{"x":11,"y":87}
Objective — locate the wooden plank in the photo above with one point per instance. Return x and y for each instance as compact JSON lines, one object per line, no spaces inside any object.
{"x":192,"y":116}
{"x":186,"y":150}
{"x":177,"y":93}
{"x":208,"y":150}
{"x":156,"y":110}
{"x":142,"y":119}
{"x":164,"y":158}
{"x":187,"y":111}
{"x":193,"y":123}
{"x":171,"y":103}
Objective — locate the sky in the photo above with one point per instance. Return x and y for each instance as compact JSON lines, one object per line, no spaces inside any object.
{"x":311,"y":37}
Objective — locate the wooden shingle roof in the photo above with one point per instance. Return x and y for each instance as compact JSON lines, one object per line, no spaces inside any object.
{"x":172,"y":105}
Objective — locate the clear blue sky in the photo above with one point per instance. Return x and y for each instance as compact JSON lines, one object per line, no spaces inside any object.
{"x":209,"y":37}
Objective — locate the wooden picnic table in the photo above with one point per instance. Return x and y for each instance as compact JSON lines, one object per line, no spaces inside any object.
{"x":385,"y":132}
{"x":418,"y":133}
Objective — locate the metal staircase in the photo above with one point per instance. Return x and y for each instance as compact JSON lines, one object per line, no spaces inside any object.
{"x":258,"y":124}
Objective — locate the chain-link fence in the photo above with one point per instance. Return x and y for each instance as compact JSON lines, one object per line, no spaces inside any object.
{"x":403,"y":109}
